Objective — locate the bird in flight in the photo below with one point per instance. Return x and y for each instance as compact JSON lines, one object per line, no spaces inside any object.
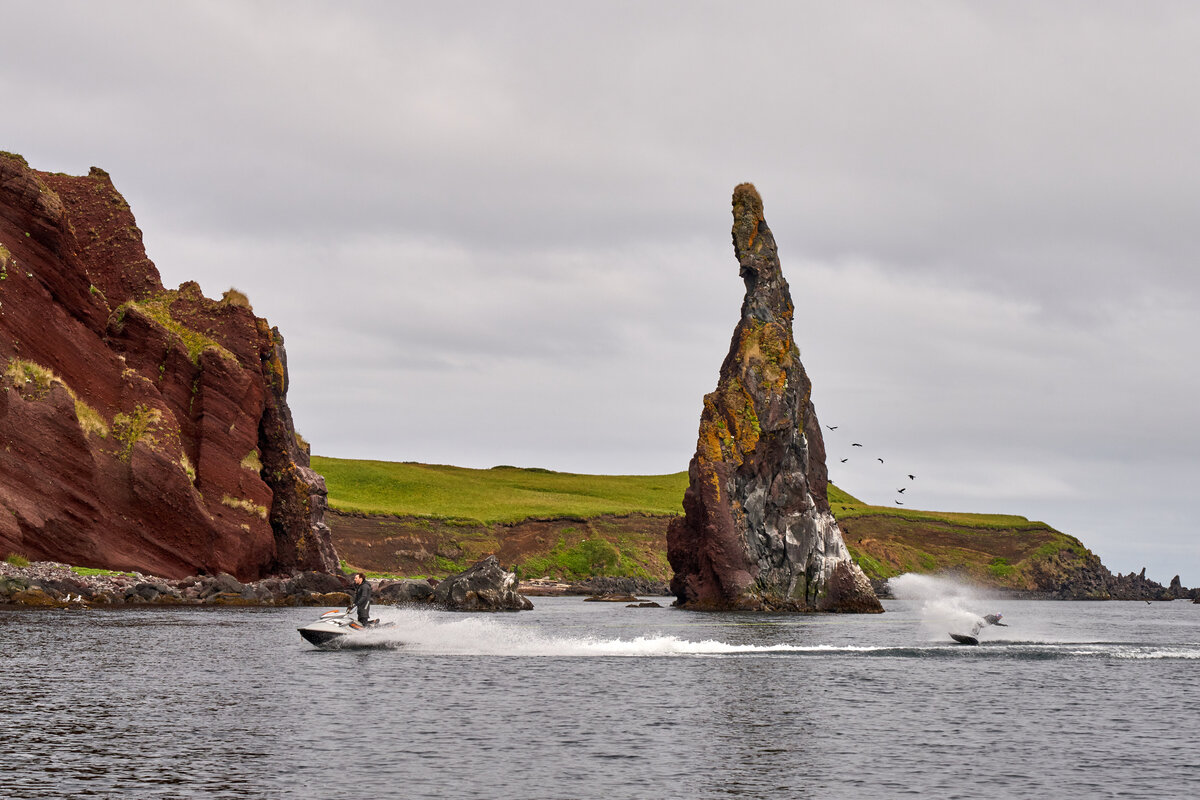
{"x":881,"y":461}
{"x":899,"y":503}
{"x":844,"y":460}
{"x":832,"y":427}
{"x":855,"y":444}
{"x":912,"y":477}
{"x":901,"y":491}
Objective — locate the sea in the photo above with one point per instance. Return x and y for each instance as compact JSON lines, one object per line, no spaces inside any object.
{"x":581,"y":699}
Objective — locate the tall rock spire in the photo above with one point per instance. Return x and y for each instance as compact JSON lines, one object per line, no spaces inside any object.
{"x":757,"y":532}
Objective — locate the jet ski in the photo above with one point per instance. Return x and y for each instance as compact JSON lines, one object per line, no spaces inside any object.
{"x":988,"y":619}
{"x":340,"y":628}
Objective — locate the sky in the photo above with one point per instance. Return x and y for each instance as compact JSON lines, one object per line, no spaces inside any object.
{"x":498,"y":233}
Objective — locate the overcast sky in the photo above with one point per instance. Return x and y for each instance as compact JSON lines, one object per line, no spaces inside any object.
{"x":498,"y":233}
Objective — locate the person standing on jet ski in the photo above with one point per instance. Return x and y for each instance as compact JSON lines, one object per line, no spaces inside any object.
{"x":362,"y":598}
{"x":988,"y":619}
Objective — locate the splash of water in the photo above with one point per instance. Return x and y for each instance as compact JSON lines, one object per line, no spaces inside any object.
{"x":947,"y":606}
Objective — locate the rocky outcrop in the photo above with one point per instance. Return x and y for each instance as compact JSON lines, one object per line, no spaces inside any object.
{"x":757,"y":531}
{"x":486,"y":586}
{"x":143,"y":429}
{"x":55,"y":585}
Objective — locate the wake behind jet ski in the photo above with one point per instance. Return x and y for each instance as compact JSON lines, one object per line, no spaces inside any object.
{"x":338,"y":628}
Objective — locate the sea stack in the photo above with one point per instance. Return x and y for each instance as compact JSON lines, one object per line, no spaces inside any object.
{"x":757,"y":533}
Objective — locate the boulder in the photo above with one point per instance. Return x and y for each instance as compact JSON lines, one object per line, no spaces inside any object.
{"x":404,"y":591}
{"x":757,"y":532}
{"x":339,"y":599}
{"x":315,"y":583}
{"x":485,"y":586}
{"x":36,"y":597}
{"x":221,"y":584}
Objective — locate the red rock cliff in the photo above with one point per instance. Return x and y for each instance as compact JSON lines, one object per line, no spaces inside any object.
{"x":140,"y":428}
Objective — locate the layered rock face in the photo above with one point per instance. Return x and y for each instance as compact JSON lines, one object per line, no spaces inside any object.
{"x":140,"y":429}
{"x":757,"y":532}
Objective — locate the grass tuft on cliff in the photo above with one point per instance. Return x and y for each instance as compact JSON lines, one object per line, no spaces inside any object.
{"x":498,"y":495}
{"x":29,"y":376}
{"x":158,"y":308}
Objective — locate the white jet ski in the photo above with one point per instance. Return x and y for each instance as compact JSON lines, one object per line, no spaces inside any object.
{"x":340,"y":628}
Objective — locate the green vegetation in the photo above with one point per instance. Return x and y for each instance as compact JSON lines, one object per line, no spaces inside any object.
{"x":497,"y":495}
{"x":241,"y":504}
{"x":569,"y":529}
{"x":1000,"y":567}
{"x":588,"y":557}
{"x":90,"y":571}
{"x":158,"y":308}
{"x":252,"y":462}
{"x":129,"y":429}
{"x":35,"y":380}
{"x":16,"y":560}
{"x":188,"y":469}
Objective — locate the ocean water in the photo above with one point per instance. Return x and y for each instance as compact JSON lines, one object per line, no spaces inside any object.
{"x":595,"y":700}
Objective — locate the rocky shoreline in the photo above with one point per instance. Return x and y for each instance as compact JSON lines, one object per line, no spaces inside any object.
{"x":47,"y":584}
{"x":483,"y":587}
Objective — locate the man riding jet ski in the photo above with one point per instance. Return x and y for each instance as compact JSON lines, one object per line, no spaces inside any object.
{"x":337,"y":628}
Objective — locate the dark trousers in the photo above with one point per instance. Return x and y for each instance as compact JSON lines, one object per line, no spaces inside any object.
{"x":364,"y":613}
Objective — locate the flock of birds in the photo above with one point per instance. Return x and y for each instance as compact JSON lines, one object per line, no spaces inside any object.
{"x":900,"y":490}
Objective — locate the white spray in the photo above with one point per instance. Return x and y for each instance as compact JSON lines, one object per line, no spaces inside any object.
{"x":946,"y":606}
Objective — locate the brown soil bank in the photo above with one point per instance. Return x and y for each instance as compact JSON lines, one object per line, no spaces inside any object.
{"x":1027,"y":557}
{"x":569,"y":549}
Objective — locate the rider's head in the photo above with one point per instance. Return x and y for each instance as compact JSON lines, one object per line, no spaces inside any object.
{"x":359,"y":577}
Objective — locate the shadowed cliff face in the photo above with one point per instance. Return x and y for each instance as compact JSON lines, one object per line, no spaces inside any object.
{"x":140,"y":428}
{"x":757,"y":532}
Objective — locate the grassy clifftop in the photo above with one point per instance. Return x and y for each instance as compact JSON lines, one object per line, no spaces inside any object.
{"x":498,"y":495}
{"x":433,"y":520}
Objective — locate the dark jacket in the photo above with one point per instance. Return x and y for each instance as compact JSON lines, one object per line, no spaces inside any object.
{"x":362,"y":596}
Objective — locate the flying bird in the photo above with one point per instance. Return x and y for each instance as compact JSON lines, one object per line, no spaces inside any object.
{"x":855,"y":444}
{"x":912,"y":477}
{"x":901,"y":491}
{"x":899,"y":503}
{"x":832,"y":427}
{"x":844,"y":460}
{"x":881,"y":461}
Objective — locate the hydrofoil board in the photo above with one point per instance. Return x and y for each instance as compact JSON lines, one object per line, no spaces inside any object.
{"x":962,"y":638}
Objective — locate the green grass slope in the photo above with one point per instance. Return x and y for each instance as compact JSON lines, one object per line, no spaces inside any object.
{"x":497,"y":495}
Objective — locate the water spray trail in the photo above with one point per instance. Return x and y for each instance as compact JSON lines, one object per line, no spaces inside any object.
{"x":946,"y":605}
{"x":434,"y":633}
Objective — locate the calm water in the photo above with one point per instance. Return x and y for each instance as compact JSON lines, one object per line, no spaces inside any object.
{"x":594,"y":700}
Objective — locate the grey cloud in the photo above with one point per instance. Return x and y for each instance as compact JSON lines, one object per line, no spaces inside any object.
{"x":498,"y":233}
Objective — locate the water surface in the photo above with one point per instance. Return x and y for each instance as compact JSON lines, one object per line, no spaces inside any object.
{"x":595,"y":700}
